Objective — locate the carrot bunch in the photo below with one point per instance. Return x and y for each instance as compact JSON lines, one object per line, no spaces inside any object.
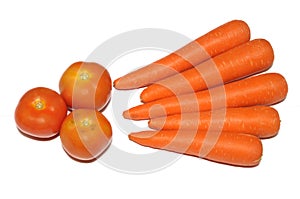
{"x":211,"y":99}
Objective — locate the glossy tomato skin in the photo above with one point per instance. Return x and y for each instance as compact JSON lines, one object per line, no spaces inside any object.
{"x":40,"y":113}
{"x":85,"y":85}
{"x":85,"y":134}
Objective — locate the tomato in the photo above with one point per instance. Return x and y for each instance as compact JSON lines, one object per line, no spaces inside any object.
{"x":85,"y":134}
{"x":40,"y":112}
{"x":85,"y":85}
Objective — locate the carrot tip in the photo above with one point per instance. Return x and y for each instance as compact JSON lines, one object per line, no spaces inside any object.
{"x":121,"y":84}
{"x":126,"y":115}
{"x":116,"y":83}
{"x":130,"y":136}
{"x":141,"y":137}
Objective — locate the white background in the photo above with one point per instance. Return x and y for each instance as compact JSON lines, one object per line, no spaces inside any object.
{"x":38,"y":40}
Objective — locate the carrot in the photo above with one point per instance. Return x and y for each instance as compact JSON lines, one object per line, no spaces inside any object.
{"x":216,"y":41}
{"x":228,"y":148}
{"x":264,"y":89}
{"x":244,"y":60}
{"x":261,"y":121}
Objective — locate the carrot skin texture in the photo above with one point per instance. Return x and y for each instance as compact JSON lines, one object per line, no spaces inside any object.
{"x":216,"y":41}
{"x":264,"y":89}
{"x":261,"y":121}
{"x":244,"y":60}
{"x":228,"y":148}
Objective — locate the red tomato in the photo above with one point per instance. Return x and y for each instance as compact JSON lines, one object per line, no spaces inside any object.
{"x":85,"y":85}
{"x":85,"y":134}
{"x":40,"y":112}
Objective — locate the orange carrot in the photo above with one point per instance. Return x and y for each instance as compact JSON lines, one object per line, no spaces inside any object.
{"x":229,"y":148}
{"x":261,"y":121}
{"x":264,"y":89}
{"x":216,"y":41}
{"x":244,"y":60}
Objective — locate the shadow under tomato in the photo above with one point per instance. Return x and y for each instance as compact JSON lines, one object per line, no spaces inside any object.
{"x":70,"y":109}
{"x":105,"y":106}
{"x":36,"y":138}
{"x":87,"y":161}
{"x":79,"y":160}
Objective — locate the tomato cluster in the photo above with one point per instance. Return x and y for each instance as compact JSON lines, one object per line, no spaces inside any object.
{"x":84,"y":90}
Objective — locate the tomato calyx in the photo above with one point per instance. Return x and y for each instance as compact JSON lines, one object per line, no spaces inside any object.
{"x":86,"y":122}
{"x":39,"y":104}
{"x":84,"y":75}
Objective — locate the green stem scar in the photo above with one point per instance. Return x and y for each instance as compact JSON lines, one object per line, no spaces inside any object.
{"x":85,"y":122}
{"x":39,"y":104}
{"x":84,"y":76}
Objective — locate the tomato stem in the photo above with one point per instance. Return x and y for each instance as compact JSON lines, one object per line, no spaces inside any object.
{"x":84,"y":76}
{"x":39,"y":104}
{"x":85,"y":122}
